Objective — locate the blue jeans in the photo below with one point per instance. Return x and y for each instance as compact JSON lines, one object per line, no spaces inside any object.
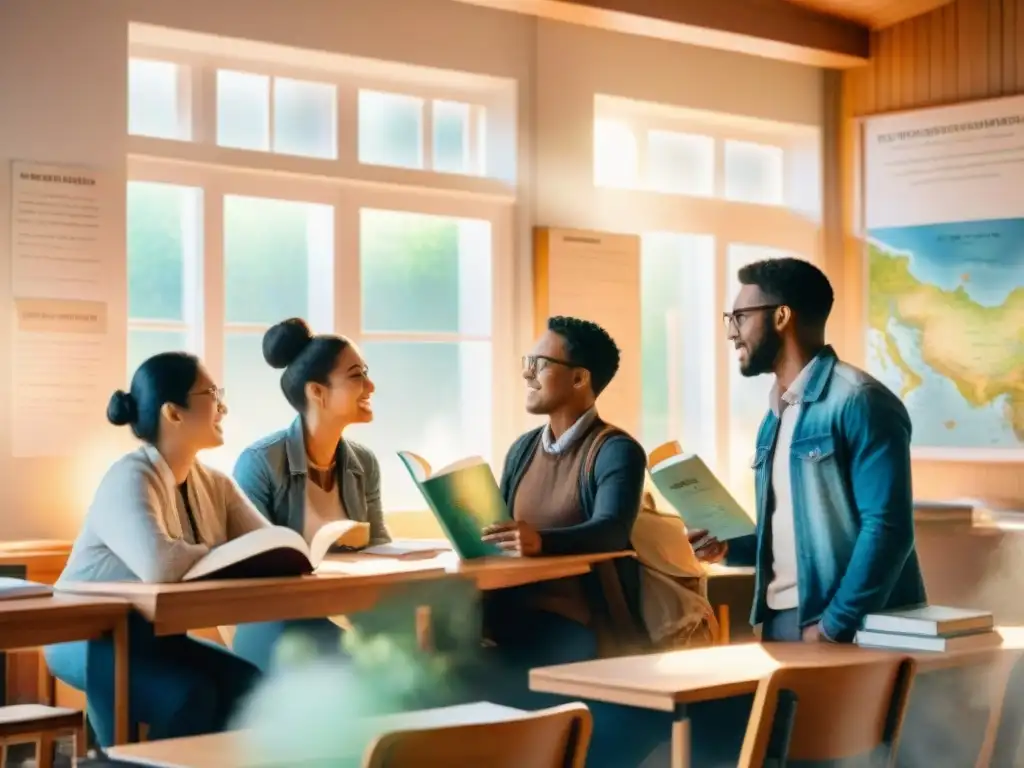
{"x":177,"y":685}
{"x":257,"y":642}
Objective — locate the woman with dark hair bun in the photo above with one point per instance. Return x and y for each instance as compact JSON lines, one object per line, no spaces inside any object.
{"x":156,"y":512}
{"x":309,"y":474}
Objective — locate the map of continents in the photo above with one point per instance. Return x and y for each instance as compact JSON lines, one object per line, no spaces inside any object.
{"x":946,"y":329}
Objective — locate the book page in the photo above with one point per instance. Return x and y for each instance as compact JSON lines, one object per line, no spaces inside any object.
{"x":250,"y":547}
{"x":455,"y":466}
{"x":417,"y":465}
{"x":343,"y":533}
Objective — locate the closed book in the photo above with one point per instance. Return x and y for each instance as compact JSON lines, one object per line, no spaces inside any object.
{"x":931,"y":620}
{"x":893,"y":640}
{"x":464,"y":498}
{"x":693,"y":491}
{"x":12,"y":589}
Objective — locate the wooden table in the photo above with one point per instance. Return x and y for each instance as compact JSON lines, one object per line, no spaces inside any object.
{"x":668,"y":682}
{"x":36,"y":621}
{"x":235,"y":749}
{"x":347,"y":587}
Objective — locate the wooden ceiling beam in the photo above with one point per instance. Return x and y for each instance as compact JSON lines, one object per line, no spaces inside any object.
{"x":775,"y":29}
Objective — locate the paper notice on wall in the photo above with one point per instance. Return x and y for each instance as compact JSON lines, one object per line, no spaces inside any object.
{"x":61,"y":281}
{"x":56,"y":232}
{"x":58,"y":362}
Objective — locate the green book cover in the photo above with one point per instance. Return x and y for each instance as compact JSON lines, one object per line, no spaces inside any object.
{"x":692,"y":489}
{"x":464,"y":498}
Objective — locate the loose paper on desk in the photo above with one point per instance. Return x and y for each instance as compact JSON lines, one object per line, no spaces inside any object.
{"x":692,"y":489}
{"x":60,"y":263}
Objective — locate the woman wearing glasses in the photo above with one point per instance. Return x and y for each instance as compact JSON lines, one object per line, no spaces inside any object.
{"x":156,"y":512}
{"x":309,"y":474}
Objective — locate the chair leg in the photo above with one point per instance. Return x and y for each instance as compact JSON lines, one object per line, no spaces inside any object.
{"x":81,"y":740}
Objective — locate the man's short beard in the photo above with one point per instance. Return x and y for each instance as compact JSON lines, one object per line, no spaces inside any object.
{"x":761,"y":358}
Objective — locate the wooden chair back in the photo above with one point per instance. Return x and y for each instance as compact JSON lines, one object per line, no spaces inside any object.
{"x":557,"y":737}
{"x":839,"y":711}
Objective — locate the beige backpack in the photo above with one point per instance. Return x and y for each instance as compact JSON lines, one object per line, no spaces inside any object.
{"x":673,"y":586}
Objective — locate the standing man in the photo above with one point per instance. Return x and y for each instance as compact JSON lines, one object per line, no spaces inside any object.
{"x":835,"y":522}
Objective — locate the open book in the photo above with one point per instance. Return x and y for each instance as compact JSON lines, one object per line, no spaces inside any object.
{"x":277,"y":551}
{"x":696,"y":494}
{"x":464,"y":498}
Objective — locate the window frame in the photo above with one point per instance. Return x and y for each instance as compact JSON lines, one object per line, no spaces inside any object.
{"x":794,"y":226}
{"x":348,"y":186}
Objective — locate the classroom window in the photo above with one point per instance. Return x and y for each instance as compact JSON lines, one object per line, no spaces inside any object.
{"x":454,"y":130}
{"x":164,"y":243}
{"x":277,"y":264}
{"x":754,"y":173}
{"x":279,"y":114}
{"x":159,"y":99}
{"x":390,"y":129}
{"x":678,"y":333}
{"x":426,"y":288}
{"x":680,"y":163}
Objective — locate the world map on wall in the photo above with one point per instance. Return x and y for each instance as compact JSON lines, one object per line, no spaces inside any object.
{"x":946,"y":329}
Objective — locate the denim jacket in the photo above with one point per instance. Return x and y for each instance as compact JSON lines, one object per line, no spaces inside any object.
{"x":272,"y":472}
{"x":852,"y":502}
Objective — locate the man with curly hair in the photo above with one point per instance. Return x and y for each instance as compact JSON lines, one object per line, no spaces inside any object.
{"x":572,"y":486}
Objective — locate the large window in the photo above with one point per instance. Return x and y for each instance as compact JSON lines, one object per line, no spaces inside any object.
{"x":220,"y":251}
{"x":710,"y":193}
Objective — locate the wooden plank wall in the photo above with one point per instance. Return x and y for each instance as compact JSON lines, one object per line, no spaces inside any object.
{"x":967,"y":50}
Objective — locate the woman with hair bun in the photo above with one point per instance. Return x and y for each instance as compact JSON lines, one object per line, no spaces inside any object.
{"x":156,"y":512}
{"x":309,"y":474}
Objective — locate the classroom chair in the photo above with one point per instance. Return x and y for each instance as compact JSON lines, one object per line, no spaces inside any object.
{"x":42,"y":725}
{"x":829,"y":713}
{"x":557,"y":737}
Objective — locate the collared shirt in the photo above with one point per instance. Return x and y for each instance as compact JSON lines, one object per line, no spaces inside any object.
{"x":570,"y":436}
{"x":783,"y":593}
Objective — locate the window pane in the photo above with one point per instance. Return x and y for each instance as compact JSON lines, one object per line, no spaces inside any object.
{"x":615,"y":154}
{"x":256,"y":406}
{"x":432,"y":399}
{"x":753,"y":173}
{"x":270,"y":249}
{"x":305,"y":118}
{"x":143,"y":344}
{"x":164,"y":235}
{"x":680,"y":163}
{"x":748,"y":397}
{"x":243,"y":110}
{"x":451,"y":137}
{"x":153,"y":104}
{"x":390,"y":129}
{"x":425,"y":273}
{"x":679,"y":333}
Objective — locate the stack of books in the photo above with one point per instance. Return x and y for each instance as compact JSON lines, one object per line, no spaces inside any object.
{"x":931,"y":628}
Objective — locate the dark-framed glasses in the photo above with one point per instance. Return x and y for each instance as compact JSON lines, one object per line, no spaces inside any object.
{"x":736,"y":318}
{"x":534,"y":364}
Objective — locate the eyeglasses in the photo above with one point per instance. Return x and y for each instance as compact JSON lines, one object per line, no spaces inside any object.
{"x":736,"y":318}
{"x":534,"y":364}
{"x":217,"y":393}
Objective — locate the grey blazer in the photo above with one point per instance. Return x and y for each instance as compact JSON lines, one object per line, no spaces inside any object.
{"x":272,"y":473}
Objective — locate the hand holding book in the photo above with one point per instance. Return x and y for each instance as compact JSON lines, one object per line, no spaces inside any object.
{"x":513,"y":536}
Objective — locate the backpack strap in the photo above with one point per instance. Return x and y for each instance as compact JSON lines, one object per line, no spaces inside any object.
{"x":623,"y":629}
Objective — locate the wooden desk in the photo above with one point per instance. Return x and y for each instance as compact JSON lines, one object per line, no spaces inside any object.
{"x":668,"y":682}
{"x":492,"y":572}
{"x":235,"y":749}
{"x":346,"y":587}
{"x":35,"y":621}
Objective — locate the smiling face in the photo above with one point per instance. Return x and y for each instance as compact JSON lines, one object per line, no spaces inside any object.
{"x":754,"y":329}
{"x":346,"y":398}
{"x":199,"y":425}
{"x":551,"y":379}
